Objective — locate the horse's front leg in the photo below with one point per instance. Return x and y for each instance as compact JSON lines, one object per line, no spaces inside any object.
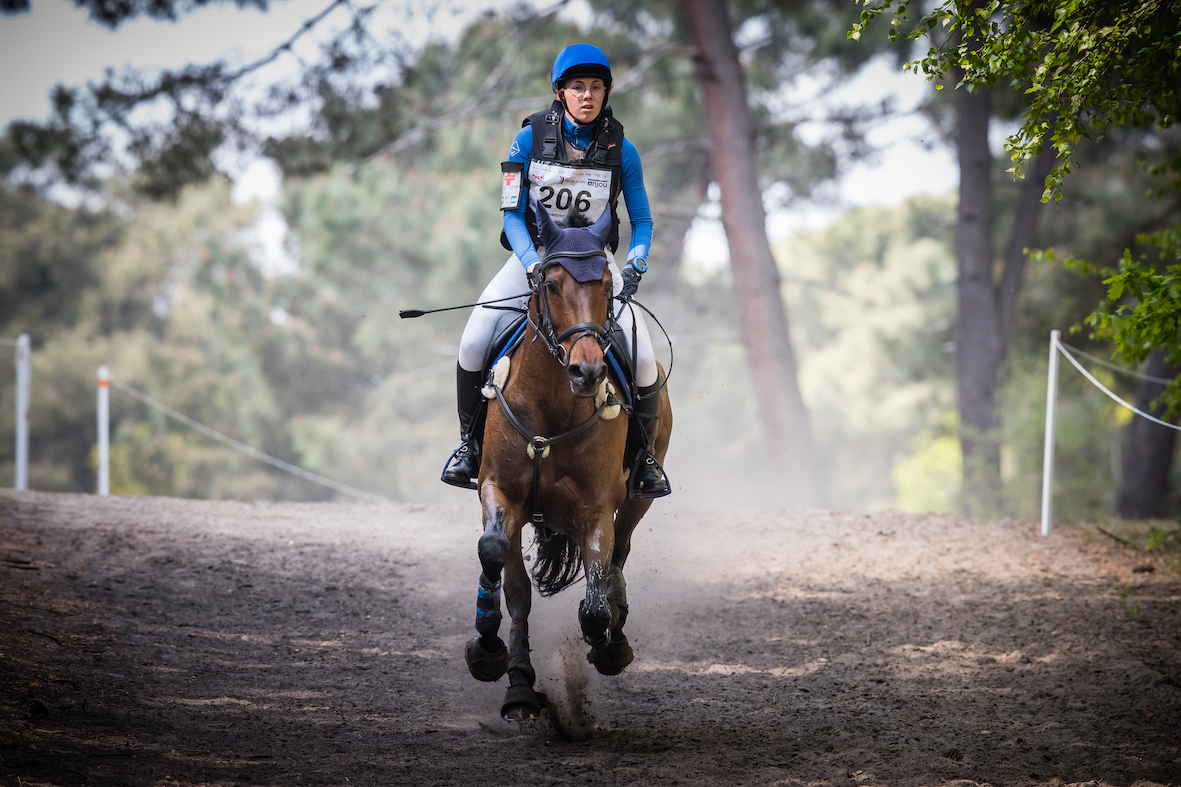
{"x":487,"y":657}
{"x":520,"y":701}
{"x":595,"y":613}
{"x":503,"y":565}
{"x":617,"y":654}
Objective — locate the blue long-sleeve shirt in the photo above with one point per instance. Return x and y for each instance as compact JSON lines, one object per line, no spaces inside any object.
{"x":635,"y":197}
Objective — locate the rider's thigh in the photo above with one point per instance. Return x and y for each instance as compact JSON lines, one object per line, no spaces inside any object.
{"x":481,"y":326}
{"x":645,"y":356}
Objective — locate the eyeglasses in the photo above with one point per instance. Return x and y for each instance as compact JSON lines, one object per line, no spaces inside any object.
{"x":579,"y":89}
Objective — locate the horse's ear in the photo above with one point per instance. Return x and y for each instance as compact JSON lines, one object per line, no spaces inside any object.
{"x":601,"y":229}
{"x":547,"y":231}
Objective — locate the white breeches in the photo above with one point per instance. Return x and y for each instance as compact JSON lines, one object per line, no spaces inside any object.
{"x":483,"y":324}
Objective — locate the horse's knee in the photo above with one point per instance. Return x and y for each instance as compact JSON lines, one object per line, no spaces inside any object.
{"x":493,"y":551}
{"x":594,"y":616}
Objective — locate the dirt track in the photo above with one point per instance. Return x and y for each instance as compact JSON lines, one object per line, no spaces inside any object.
{"x":148,"y":641}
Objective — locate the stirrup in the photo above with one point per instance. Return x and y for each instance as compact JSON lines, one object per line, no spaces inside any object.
{"x":463,"y":482}
{"x":634,"y":492}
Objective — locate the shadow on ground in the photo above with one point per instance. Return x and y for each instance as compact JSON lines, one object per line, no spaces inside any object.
{"x":142,"y":649}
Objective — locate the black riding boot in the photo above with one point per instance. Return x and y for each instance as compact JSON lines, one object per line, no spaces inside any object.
{"x":464,"y":465}
{"x":649,"y":480}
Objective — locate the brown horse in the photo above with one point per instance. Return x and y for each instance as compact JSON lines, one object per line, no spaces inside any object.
{"x":572,"y":485}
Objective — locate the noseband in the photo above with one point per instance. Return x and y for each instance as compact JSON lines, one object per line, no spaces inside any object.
{"x":552,"y":339}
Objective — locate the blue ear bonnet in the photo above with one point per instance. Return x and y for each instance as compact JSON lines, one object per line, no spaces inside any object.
{"x":580,"y":250}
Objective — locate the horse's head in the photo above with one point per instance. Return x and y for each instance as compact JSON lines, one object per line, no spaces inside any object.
{"x":573,"y":292}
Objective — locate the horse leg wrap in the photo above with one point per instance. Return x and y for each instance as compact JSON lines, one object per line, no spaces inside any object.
{"x":488,"y":615}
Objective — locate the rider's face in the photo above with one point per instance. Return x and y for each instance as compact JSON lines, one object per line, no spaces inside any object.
{"x":584,"y":98}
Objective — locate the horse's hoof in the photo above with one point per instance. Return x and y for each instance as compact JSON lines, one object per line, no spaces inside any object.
{"x":521,"y":703}
{"x":485,"y":665}
{"x":612,"y":659}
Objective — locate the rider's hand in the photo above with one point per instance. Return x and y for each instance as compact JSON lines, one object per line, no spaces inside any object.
{"x":531,"y":275}
{"x":631,"y":282}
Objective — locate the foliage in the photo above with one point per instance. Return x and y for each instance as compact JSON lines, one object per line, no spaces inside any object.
{"x":1159,"y":539}
{"x":1085,"y":66}
{"x":113,"y":14}
{"x":1088,"y":70}
{"x":1142,"y":310}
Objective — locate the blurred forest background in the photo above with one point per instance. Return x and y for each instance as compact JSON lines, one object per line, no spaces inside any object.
{"x":389,"y":192}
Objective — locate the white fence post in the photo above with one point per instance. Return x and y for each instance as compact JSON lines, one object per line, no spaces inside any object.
{"x":104,"y":433}
{"x":23,"y":373}
{"x":1048,"y":460}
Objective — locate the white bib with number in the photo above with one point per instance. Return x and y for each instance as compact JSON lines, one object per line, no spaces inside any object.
{"x":564,"y":189}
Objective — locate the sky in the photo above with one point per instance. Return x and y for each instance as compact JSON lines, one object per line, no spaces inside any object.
{"x":55,"y":43}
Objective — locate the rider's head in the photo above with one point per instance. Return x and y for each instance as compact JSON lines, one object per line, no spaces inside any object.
{"x":581,"y":78}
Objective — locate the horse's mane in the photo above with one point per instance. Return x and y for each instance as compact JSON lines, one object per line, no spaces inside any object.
{"x":577,"y":219}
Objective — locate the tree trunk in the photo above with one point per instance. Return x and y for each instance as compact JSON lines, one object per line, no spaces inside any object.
{"x":1029,"y":208}
{"x":1148,"y":458}
{"x":764,"y":323}
{"x":977,"y":337}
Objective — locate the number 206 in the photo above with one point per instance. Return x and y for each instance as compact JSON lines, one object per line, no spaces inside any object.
{"x":564,"y":198}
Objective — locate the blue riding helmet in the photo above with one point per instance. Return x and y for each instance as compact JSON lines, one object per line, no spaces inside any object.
{"x":581,"y":60}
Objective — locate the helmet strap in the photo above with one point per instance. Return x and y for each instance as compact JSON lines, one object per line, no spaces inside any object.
{"x":566,"y":109}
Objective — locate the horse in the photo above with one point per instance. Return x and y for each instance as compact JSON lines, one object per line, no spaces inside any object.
{"x":572,"y":486}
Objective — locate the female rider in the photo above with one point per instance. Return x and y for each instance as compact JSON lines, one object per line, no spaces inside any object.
{"x":574,"y":160}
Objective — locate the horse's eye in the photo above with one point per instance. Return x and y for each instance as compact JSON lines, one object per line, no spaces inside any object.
{"x":551,"y":287}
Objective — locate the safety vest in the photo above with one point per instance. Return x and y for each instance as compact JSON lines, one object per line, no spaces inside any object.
{"x":566,"y":184}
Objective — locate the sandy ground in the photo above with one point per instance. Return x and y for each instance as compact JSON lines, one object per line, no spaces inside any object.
{"x":149,"y":641}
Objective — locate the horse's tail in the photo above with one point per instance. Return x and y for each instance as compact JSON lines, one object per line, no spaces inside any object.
{"x":559,"y":561}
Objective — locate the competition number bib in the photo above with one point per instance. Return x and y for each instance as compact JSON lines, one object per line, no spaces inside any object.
{"x":563,"y":189}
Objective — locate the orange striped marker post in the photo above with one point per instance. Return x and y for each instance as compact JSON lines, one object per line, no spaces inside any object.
{"x":104,"y":433}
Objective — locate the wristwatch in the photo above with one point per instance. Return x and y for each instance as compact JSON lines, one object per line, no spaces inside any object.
{"x":640,"y":264}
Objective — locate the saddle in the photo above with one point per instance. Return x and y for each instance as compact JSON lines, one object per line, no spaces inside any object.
{"x":510,"y":332}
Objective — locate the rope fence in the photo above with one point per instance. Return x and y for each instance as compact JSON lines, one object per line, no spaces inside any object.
{"x":210,"y":432}
{"x":1116,"y":367}
{"x":1056,"y":347}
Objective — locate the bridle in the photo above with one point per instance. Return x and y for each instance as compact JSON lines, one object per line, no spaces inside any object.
{"x":549,"y":335}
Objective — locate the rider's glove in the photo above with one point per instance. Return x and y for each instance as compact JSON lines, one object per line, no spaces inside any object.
{"x":531,"y":275}
{"x":631,"y":281}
